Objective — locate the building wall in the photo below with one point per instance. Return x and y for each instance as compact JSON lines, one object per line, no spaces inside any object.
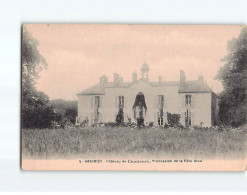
{"x":214,"y":113}
{"x":85,"y":109}
{"x":201,"y":110}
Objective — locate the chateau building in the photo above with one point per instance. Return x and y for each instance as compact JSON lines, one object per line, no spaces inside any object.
{"x":145,"y":101}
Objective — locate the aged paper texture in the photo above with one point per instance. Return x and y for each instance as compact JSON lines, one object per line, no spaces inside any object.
{"x":134,"y":97}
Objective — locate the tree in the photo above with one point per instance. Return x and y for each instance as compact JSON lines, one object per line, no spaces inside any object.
{"x":35,"y":111}
{"x":233,"y":75}
{"x":32,"y":61}
{"x":71,"y":114}
{"x":68,"y":109}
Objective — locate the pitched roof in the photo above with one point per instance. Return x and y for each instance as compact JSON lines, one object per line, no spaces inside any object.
{"x":167,"y":83}
{"x":187,"y":87}
{"x":99,"y":89}
{"x":194,"y":87}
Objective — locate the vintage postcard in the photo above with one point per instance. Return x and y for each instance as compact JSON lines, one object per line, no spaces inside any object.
{"x":134,"y":97}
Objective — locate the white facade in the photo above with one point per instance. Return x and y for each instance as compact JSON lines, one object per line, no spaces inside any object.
{"x":192,"y":100}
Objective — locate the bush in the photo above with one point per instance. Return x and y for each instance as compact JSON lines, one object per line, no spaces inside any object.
{"x":173,"y":119}
{"x":120,"y":117}
{"x":166,"y":126}
{"x":151,"y":124}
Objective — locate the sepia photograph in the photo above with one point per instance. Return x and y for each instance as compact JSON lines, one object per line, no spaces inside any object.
{"x":133,"y":97}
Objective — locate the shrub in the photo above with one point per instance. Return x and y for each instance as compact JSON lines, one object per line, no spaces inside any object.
{"x":173,"y":119}
{"x":166,"y":126}
{"x":151,"y":124}
{"x":120,"y":117}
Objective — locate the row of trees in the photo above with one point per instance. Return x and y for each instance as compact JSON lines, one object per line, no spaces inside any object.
{"x":37,"y":110}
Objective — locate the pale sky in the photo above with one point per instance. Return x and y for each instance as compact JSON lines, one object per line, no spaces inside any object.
{"x":77,"y":55}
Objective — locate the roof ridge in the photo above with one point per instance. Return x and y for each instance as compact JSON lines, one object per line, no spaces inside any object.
{"x":193,"y":86}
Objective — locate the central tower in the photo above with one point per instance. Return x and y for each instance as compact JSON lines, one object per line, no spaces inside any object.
{"x":144,"y":71}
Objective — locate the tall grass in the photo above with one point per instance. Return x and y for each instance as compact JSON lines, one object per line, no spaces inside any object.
{"x":126,"y":142}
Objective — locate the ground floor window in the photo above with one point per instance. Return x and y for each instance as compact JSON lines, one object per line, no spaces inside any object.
{"x":160,"y":117}
{"x":160,"y":121}
{"x":188,"y":118}
{"x":120,"y":116}
{"x":121,"y":101}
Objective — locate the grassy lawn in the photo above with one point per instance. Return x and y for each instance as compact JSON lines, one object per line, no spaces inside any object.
{"x":126,"y":142}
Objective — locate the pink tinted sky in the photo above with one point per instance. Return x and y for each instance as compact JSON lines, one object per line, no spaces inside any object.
{"x":77,"y":55}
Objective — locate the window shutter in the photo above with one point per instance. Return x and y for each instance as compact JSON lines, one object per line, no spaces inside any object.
{"x":92,"y":117}
{"x":182,"y":118}
{"x":193,"y":101}
{"x":100,"y":102}
{"x":125,"y":102}
{"x":125,"y":117}
{"x":192,"y":119}
{"x":155,"y":101}
{"x":182,"y":101}
{"x":155,"y":119}
{"x":92,"y":102}
{"x":156,"y":105}
{"x":165,"y":117}
{"x":100,"y":117}
{"x":165,"y":101}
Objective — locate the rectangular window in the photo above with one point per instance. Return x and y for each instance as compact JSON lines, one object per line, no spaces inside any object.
{"x":160,"y":121}
{"x":188,"y":118}
{"x":161,"y":101}
{"x":187,"y":100}
{"x":96,"y":101}
{"x":160,"y":117}
{"x":121,"y":101}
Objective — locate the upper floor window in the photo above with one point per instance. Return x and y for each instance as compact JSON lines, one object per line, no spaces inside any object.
{"x":187,"y":100}
{"x":121,"y":101}
{"x":95,"y":102}
{"x":161,"y":101}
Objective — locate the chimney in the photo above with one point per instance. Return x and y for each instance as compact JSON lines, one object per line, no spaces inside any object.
{"x":200,"y":78}
{"x":160,"y":79}
{"x":182,"y":76}
{"x":103,"y":79}
{"x":134,"y":76}
{"x":116,"y":78}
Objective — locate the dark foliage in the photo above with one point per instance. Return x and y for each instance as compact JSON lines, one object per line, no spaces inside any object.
{"x":151,"y":124}
{"x":67,"y":109}
{"x":36,"y":113}
{"x":120,"y":117}
{"x":233,"y":75}
{"x":173,"y":119}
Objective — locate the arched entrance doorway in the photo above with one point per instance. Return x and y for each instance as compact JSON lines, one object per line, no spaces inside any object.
{"x":139,"y":109}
